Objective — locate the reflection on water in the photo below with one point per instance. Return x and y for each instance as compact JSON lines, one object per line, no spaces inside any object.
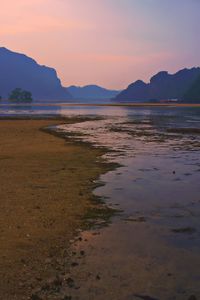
{"x":152,"y":248}
{"x":71,"y":110}
{"x":160,"y":166}
{"x":161,"y":170}
{"x":158,"y":190}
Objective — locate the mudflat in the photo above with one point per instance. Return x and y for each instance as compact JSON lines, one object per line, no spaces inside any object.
{"x":46,"y":188}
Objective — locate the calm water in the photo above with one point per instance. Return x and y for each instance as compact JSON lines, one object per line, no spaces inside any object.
{"x":152,"y":248}
{"x":160,"y":170}
{"x":157,"y":236}
{"x":160,"y":173}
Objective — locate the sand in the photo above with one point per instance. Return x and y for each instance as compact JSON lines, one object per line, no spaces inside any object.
{"x":46,"y":188}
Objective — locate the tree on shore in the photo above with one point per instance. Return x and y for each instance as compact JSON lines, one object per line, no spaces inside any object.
{"x":19,"y":95}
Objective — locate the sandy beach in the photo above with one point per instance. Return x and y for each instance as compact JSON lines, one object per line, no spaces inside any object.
{"x":55,"y":242}
{"x":46,"y":188}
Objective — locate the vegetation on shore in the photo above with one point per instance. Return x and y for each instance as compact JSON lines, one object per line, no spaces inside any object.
{"x":20,"y":95}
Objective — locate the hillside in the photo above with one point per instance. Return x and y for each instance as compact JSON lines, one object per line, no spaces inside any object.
{"x":91,"y":92}
{"x":20,"y":71}
{"x":162,"y":86}
{"x":193,"y":93}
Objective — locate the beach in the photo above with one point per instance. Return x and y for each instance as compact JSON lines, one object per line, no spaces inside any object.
{"x":46,"y":188}
{"x":98,"y":201}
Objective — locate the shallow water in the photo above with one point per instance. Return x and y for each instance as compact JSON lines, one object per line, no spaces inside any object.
{"x":151,"y":249}
{"x":157,"y":187}
{"x":160,"y":170}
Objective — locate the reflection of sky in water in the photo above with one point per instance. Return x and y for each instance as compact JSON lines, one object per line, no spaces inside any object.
{"x":158,"y":183}
{"x":148,"y":153}
{"x":160,"y":175}
{"x":18,"y":109}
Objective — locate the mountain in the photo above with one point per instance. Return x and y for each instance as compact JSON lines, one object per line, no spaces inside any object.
{"x":193,"y":93}
{"x":20,"y":71}
{"x":91,"y":92}
{"x":162,"y":86}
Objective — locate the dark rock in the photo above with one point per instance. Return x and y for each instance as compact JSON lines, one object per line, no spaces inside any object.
{"x":74,"y":264}
{"x":57,"y":281}
{"x":70,"y":282}
{"x":98,"y":277}
{"x":192,"y":297}
{"x":23,"y":261}
{"x":67,"y":298}
{"x":35,"y":297}
{"x":46,"y":287}
{"x":188,"y":230}
{"x":137,"y":219}
{"x":38,"y":278}
{"x":145,"y":297}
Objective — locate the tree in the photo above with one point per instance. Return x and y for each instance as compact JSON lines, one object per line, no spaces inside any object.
{"x":19,"y":95}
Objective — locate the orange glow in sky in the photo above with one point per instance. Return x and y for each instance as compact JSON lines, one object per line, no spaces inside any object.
{"x":105,"y":42}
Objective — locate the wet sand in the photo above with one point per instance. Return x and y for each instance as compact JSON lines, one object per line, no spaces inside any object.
{"x":140,"y":267}
{"x":142,"y":255}
{"x":151,"y":249}
{"x":46,"y":188}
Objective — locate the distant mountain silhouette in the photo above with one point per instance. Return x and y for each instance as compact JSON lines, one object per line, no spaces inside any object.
{"x":91,"y":92}
{"x":162,"y":86}
{"x":193,"y":93}
{"x":20,"y":71}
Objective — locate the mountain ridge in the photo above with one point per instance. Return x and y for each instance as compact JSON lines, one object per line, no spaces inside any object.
{"x":193,"y":93}
{"x":162,"y":86}
{"x":91,"y":91}
{"x":21,"y":71}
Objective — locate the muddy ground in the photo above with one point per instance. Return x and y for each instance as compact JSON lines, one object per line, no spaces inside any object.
{"x":46,"y":189}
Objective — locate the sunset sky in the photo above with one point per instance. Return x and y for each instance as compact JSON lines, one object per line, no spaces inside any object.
{"x":106,"y":42}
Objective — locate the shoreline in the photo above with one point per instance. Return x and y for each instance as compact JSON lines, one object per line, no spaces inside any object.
{"x":141,"y":245}
{"x":89,"y":258}
{"x":120,"y":104}
{"x":47,"y":192}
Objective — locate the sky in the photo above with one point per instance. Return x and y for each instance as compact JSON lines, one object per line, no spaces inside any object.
{"x":106,"y":42}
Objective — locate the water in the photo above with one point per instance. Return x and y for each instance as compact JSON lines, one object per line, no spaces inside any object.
{"x":160,"y":173}
{"x":152,"y":247}
{"x":157,"y":187}
{"x":45,"y":109}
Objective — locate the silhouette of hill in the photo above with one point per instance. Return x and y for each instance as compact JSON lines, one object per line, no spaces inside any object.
{"x":91,"y":92}
{"x":193,"y":93}
{"x":162,"y":86}
{"x":20,"y":71}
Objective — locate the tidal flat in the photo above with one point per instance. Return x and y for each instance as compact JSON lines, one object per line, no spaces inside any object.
{"x":46,"y":190}
{"x":143,"y":242}
{"x":151,"y":249}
